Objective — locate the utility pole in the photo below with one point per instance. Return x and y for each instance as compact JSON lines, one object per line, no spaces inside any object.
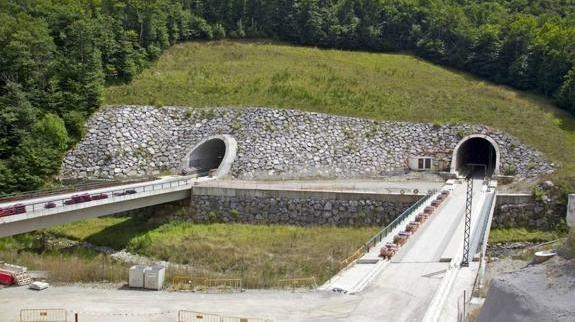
{"x":466,"y":232}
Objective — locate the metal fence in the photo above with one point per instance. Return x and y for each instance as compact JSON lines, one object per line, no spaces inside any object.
{"x":224,"y":284}
{"x":355,"y":256}
{"x":396,"y":222}
{"x":43,"y":315}
{"x":206,"y":284}
{"x":239,"y":319}
{"x":297,"y":283}
{"x":181,"y":283}
{"x":191,"y":316}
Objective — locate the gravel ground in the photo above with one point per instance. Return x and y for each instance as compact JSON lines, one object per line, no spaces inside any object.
{"x":543,"y":292}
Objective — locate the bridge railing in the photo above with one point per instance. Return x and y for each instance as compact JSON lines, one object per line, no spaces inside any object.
{"x":377,"y":238}
{"x":396,"y":222}
{"x":112,"y":194}
{"x":97,"y":184}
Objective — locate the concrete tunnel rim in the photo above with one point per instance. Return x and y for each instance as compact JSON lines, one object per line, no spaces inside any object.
{"x":474,"y":136}
{"x":225,"y":166}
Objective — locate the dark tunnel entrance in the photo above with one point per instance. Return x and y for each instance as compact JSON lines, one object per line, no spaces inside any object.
{"x":207,"y":156}
{"x":477,"y":156}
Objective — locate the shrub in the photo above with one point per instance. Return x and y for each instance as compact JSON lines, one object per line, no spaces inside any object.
{"x":510,"y":170}
{"x":219,"y":31}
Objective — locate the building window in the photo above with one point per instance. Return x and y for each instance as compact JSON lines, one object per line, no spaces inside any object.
{"x":424,"y":163}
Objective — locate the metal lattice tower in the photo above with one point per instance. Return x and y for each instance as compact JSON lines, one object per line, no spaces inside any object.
{"x":468,"y":207}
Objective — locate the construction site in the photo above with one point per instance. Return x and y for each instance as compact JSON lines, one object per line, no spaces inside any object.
{"x":427,"y":261}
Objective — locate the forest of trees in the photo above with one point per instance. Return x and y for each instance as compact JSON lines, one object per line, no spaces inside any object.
{"x":57,"y":56}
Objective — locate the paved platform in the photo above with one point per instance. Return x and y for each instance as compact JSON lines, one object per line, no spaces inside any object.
{"x":414,"y":275}
{"x":349,"y":185}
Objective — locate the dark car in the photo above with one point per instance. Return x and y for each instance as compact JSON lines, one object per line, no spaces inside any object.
{"x":50,"y":205}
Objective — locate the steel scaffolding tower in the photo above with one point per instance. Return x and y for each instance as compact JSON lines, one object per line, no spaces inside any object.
{"x":467,"y":231}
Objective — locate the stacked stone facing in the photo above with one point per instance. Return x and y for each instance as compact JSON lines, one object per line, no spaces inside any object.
{"x":133,"y":141}
{"x":300,"y":211}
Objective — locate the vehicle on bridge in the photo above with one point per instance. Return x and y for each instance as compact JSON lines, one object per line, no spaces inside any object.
{"x":13,"y":210}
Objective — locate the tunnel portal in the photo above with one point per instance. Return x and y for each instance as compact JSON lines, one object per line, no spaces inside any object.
{"x":207,"y":156}
{"x":476,"y":154}
{"x":213,"y":156}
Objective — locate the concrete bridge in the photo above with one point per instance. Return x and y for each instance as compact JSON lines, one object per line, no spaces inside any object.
{"x":425,"y":280}
{"x":43,"y":212}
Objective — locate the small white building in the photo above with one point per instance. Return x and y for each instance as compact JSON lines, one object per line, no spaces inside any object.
{"x":431,"y":162}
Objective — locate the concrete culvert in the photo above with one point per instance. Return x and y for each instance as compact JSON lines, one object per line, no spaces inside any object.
{"x":214,"y":155}
{"x":477,"y":153}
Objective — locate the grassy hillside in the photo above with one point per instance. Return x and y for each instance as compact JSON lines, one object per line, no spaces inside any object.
{"x":380,"y":86}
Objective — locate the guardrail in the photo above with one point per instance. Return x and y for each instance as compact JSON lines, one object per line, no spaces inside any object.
{"x":377,"y":238}
{"x":65,"y":189}
{"x":112,"y":194}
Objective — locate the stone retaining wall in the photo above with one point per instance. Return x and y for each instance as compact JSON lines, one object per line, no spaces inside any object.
{"x":143,"y":140}
{"x":526,"y":211}
{"x":268,"y":207}
{"x":296,"y":208}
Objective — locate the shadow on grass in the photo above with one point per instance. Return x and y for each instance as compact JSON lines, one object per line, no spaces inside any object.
{"x":118,"y":236}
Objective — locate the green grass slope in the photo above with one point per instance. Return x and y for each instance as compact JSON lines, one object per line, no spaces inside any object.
{"x":379,"y":86}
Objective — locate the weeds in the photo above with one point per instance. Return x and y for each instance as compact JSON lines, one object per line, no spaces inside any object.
{"x":66,"y":265}
{"x":510,"y":170}
{"x":506,"y":235}
{"x":371,"y":131}
{"x":258,"y":254}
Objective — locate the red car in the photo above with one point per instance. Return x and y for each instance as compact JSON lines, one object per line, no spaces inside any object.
{"x":13,"y":210}
{"x":78,"y":199}
{"x":99,"y":196}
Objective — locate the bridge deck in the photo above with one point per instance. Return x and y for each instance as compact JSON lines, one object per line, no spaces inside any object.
{"x":404,"y":287}
{"x":38,"y":215}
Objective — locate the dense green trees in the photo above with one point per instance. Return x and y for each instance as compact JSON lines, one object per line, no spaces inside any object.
{"x":56,"y":56}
